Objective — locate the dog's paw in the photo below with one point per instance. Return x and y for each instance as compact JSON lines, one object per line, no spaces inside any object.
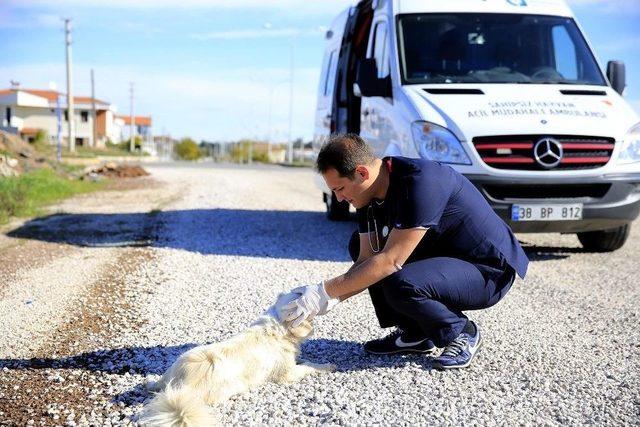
{"x":152,"y":383}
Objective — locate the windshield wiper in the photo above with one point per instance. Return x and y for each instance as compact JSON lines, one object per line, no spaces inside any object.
{"x":556,"y":82}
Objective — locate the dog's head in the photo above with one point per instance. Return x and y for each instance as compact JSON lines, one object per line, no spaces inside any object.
{"x":301,"y":331}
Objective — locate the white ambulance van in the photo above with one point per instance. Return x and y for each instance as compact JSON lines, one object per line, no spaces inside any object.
{"x":507,"y":92}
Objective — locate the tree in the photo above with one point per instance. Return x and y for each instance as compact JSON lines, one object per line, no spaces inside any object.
{"x":126,"y":145}
{"x":41,"y":137}
{"x":240,"y":151}
{"x":187,"y":149}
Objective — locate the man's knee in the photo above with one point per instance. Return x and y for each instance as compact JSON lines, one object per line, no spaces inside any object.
{"x":354,"y":246}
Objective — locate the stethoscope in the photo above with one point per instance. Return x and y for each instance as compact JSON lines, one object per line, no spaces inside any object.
{"x":385,"y":229}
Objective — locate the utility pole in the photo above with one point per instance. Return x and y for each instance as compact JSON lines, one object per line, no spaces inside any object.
{"x":94,"y":114}
{"x":132,"y":124}
{"x":70,"y":110}
{"x":290,"y":150}
{"x":164,"y":144}
{"x":59,"y":119}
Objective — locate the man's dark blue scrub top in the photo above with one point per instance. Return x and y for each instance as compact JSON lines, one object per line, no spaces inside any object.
{"x":461,"y":224}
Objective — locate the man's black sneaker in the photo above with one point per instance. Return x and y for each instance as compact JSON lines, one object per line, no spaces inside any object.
{"x":401,"y":342}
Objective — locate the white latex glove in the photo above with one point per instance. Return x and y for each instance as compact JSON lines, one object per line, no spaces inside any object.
{"x":313,"y":301}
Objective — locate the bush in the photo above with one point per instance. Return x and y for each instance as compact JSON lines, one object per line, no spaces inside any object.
{"x":125,"y":145}
{"x":25,"y":194}
{"x":41,"y":140}
{"x":41,"y":137}
{"x":13,"y":197}
{"x":260,"y":156}
{"x":187,"y":149}
{"x":240,"y":151}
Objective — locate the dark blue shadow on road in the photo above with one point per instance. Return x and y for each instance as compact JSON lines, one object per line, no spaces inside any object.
{"x":304,"y":235}
{"x":549,"y":253}
{"x":350,"y":356}
{"x":155,"y":360}
{"x":140,"y":360}
{"x":258,"y":233}
{"x":346,"y":355}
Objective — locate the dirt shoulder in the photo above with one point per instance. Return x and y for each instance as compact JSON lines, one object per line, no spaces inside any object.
{"x":73,"y":368}
{"x":66,"y":287}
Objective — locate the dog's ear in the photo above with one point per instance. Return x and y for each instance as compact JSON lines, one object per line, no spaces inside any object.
{"x":303,"y":330}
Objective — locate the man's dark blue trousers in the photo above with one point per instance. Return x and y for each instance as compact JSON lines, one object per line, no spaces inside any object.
{"x":429,"y":294}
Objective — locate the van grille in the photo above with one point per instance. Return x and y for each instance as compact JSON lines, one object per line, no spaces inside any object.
{"x":516,"y":151}
{"x":546,"y":191}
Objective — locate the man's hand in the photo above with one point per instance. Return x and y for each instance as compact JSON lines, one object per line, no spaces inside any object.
{"x":313,"y":301}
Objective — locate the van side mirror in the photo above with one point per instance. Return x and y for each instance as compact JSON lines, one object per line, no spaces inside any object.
{"x":368,"y":81}
{"x":616,"y":75}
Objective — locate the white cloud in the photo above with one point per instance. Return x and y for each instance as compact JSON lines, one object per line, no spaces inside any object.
{"x":609,"y":6}
{"x":255,"y":34}
{"x":48,"y":20}
{"x":225,"y":105}
{"x":622,"y":45}
{"x":301,"y":7}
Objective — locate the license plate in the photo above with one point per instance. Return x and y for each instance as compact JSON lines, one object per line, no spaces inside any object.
{"x":546,"y":212}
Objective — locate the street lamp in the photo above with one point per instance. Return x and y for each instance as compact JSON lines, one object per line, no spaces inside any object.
{"x":268,"y":26}
{"x":294,"y":36}
{"x":271,"y":90}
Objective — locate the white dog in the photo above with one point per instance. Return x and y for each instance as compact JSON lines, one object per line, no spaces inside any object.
{"x":210,"y":374}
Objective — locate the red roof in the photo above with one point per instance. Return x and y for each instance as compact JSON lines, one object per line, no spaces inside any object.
{"x":51,"y":95}
{"x":87,"y":100}
{"x":139,"y":120}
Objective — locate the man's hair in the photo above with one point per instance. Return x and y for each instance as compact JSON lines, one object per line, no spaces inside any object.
{"x":343,"y":152}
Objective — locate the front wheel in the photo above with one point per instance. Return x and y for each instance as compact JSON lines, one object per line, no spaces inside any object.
{"x":336,"y":211}
{"x":605,"y":240}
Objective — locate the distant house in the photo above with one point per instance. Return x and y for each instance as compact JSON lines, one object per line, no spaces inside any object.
{"x":25,"y":111}
{"x":142,"y":125}
{"x":142,"y":128}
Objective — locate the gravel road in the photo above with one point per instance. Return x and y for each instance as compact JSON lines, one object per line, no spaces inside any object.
{"x":114,"y":286}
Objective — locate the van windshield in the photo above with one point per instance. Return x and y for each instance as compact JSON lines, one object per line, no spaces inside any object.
{"x":494,"y":48}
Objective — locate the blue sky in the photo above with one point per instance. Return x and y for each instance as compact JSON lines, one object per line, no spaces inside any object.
{"x":211,"y":69}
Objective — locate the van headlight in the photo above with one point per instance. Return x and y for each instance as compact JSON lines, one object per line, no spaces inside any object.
{"x":630,"y":151}
{"x":434,"y":142}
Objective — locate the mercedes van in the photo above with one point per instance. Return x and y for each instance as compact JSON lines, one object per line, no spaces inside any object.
{"x":507,"y":92}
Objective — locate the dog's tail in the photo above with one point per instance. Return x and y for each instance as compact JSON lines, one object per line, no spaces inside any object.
{"x":181,"y":406}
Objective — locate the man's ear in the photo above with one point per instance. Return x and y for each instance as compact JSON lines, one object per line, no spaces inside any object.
{"x":363,"y":171}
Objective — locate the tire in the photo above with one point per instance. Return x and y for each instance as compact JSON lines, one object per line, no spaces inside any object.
{"x":336,"y":211}
{"x":604,"y":240}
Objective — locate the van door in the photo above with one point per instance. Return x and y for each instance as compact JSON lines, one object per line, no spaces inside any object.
{"x":323,"y":126}
{"x":375,"y":124}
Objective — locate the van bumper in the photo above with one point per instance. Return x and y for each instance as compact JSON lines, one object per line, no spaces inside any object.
{"x":609,"y":201}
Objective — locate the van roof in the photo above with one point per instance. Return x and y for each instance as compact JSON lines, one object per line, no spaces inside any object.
{"x":533,"y":7}
{"x":337,"y":25}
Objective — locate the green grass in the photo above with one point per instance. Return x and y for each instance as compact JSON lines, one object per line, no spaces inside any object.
{"x":298,"y":164}
{"x":27,"y":194}
{"x":87,"y":152}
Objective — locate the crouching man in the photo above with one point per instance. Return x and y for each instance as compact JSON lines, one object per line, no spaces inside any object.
{"x":428,"y":248}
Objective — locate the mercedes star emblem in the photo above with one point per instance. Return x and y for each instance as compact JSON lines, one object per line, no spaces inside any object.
{"x":548,"y":153}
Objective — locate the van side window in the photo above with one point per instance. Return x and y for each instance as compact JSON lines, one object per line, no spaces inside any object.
{"x":330,"y":74}
{"x":380,"y":49}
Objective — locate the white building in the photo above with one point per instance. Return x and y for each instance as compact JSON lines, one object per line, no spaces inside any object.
{"x":25,"y":111}
{"x":143,"y":130}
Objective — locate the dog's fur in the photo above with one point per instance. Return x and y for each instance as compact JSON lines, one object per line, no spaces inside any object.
{"x":210,"y":374}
